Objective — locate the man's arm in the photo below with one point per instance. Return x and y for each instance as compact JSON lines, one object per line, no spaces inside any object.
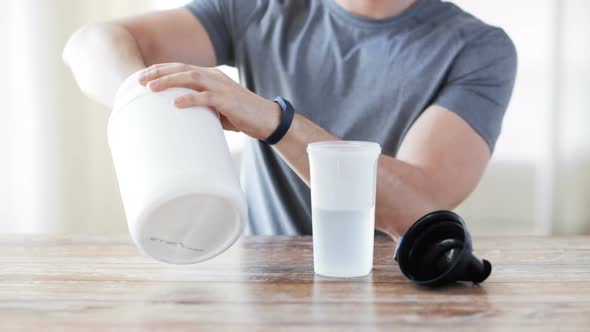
{"x":438,"y":164}
{"x":102,"y":55}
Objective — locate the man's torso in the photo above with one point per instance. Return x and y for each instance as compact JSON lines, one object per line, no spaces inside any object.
{"x":357,"y":78}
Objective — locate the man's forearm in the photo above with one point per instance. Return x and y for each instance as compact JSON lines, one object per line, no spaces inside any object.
{"x":101,"y":57}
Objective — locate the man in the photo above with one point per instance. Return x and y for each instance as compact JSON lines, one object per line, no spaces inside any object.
{"x":424,"y":79}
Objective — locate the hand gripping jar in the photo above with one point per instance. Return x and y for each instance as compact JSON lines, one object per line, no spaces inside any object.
{"x":180,"y":190}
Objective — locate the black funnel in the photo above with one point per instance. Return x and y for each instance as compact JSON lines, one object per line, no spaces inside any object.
{"x":437,"y":250}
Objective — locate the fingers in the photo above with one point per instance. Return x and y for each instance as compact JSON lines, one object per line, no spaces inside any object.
{"x":156,"y":71}
{"x":205,"y":98}
{"x":163,"y":76}
{"x":193,"y":79}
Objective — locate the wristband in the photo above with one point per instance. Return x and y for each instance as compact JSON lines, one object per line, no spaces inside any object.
{"x":288,"y":112}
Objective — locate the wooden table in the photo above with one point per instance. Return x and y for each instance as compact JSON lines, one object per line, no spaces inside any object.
{"x":267,"y":283}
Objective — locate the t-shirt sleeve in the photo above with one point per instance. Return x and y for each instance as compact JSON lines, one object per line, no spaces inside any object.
{"x":479,"y":84}
{"x":217,"y":17}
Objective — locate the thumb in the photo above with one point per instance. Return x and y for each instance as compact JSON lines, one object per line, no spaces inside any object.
{"x":226,"y":124}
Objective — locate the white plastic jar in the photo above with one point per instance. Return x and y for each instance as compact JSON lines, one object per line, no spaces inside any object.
{"x":180,"y":190}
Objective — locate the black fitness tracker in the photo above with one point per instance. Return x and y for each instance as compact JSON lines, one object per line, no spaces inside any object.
{"x":288,"y":112}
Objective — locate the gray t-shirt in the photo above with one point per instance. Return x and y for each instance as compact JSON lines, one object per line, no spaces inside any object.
{"x":358,"y":78}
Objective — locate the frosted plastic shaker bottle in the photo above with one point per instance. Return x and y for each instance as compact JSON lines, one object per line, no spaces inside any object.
{"x":180,"y":191}
{"x":343,"y":189}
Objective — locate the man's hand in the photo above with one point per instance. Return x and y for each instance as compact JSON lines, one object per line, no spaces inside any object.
{"x":240,"y":109}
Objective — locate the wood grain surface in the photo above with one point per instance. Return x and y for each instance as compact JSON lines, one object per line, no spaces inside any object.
{"x":267,"y":283}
